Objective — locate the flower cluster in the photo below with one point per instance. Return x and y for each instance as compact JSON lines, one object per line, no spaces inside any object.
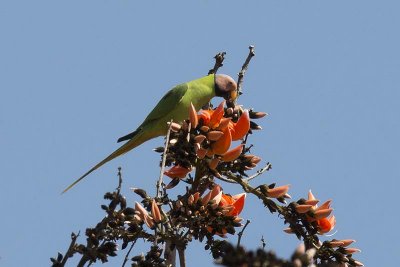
{"x":317,"y":216}
{"x":213,"y":213}
{"x":142,"y":215}
{"x":207,"y":136}
{"x":317,"y":220}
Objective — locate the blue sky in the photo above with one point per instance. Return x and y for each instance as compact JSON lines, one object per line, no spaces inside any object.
{"x":76,"y":75}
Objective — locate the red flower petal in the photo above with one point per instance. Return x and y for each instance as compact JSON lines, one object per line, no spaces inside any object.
{"x":241,"y":128}
{"x":238,"y":204}
{"x":222,"y":145}
{"x":177,"y":172}
{"x":205,"y":116}
{"x":217,"y":115}
{"x":233,"y":153}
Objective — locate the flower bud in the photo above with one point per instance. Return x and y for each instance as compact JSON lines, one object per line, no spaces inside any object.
{"x":214,"y":135}
{"x":199,"y":138}
{"x":175,"y":127}
{"x":201,"y":153}
{"x":255,"y":126}
{"x":155,"y":211}
{"x":256,"y":114}
{"x":303,"y":208}
{"x":322,"y":213}
{"x":193,"y":116}
{"x":204,"y":128}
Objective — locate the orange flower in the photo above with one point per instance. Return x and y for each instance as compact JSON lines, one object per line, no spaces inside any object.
{"x":236,"y":201}
{"x":320,"y":214}
{"x":220,"y":131}
{"x":231,"y":205}
{"x":241,"y":127}
{"x":232,"y":154}
{"x":205,"y":116}
{"x":222,"y":145}
{"x":278,"y":192}
{"x":177,"y":172}
{"x":155,"y":211}
{"x":216,"y":116}
{"x":326,"y":225}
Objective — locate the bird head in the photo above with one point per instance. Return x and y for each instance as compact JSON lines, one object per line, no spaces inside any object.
{"x":225,"y":87}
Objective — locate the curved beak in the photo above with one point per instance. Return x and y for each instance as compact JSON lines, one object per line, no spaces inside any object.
{"x":233,"y":95}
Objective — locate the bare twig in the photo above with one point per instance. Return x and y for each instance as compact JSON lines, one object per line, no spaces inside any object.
{"x":263,"y":244}
{"x":160,"y":179}
{"x":219,"y":59}
{"x":127,"y":254}
{"x":119,"y":180}
{"x":70,"y":251}
{"x":244,"y":69}
{"x":240,"y":234}
{"x":259,"y":172}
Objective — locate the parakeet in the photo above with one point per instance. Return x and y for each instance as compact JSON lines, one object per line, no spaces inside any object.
{"x":174,"y":105}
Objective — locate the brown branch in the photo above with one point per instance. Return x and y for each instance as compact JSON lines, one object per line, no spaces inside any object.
{"x":219,"y":59}
{"x":119,"y":180}
{"x":244,"y":69}
{"x":70,"y":250}
{"x":267,"y":167}
{"x":127,"y":254}
{"x":249,"y":189}
{"x":240,"y":234}
{"x":182,"y":260}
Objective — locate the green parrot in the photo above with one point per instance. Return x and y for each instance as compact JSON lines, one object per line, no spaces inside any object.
{"x":173,"y":106}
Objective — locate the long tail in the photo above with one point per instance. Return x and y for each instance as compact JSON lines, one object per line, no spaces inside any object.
{"x":131,"y":144}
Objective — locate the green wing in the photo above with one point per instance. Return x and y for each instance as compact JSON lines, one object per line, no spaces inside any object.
{"x":168,"y":103}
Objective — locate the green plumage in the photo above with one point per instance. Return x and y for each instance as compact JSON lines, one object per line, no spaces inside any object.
{"x":173,"y":106}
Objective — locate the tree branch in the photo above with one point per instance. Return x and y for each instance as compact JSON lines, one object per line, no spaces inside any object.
{"x":240,"y":234}
{"x":244,"y":69}
{"x":219,"y":59}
